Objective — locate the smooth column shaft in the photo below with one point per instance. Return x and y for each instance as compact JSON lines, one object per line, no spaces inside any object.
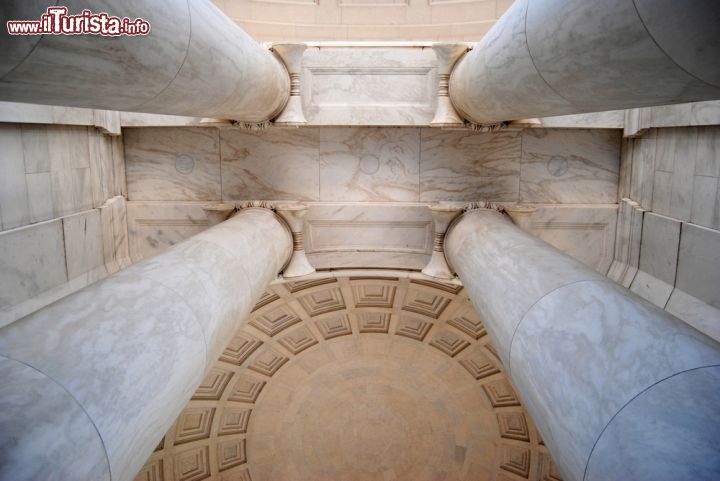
{"x":556,"y":57}
{"x":91,"y":383}
{"x":195,"y":61}
{"x":618,"y":388}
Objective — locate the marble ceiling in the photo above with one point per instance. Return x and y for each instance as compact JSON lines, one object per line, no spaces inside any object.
{"x":356,"y":375}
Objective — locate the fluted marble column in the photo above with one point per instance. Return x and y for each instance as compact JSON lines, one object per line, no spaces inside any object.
{"x":560,"y":57}
{"x":196,"y":61}
{"x":90,"y":384}
{"x":618,"y":388}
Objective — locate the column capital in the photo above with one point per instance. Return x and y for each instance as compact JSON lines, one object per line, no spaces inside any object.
{"x":443,"y":215}
{"x":294,"y":214}
{"x":291,"y":55}
{"x":447,"y":55}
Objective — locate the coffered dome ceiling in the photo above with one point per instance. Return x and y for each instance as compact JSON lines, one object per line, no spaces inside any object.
{"x":356,"y":377}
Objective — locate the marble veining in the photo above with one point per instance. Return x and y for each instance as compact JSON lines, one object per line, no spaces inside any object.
{"x":575,"y":166}
{"x":173,"y":164}
{"x":273,"y":164}
{"x":466,"y":166}
{"x":369,"y":164}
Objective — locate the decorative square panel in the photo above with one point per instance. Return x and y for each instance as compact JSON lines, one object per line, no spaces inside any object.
{"x":516,"y":460}
{"x":246,"y":390}
{"x":451,"y":288}
{"x":449,"y":343}
{"x":413,"y":328}
{"x":513,"y":426}
{"x":213,"y":385}
{"x":234,"y":421}
{"x":500,"y":393}
{"x":335,"y":326}
{"x":230,"y":454}
{"x":300,"y":285}
{"x":377,"y":295}
{"x":425,"y":303}
{"x":193,"y":424}
{"x":266,"y":298}
{"x":479,"y":366}
{"x":240,"y":347}
{"x":547,"y":471}
{"x":268,"y":362}
{"x":193,"y":464}
{"x":468,"y":323}
{"x":374,"y":322}
{"x":275,"y":321}
{"x":322,"y":302}
{"x":152,"y":471}
{"x":297,"y":340}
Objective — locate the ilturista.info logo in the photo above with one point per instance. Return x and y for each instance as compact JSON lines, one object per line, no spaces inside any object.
{"x":56,"y":21}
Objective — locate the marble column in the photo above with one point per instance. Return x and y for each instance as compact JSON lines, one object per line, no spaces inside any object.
{"x":91,"y":383}
{"x":559,"y":57}
{"x":291,"y":54}
{"x":196,"y":61}
{"x":442,"y":215}
{"x":294,"y":214}
{"x":447,"y":55}
{"x":618,"y":388}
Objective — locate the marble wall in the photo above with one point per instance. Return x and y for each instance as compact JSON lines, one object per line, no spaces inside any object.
{"x":668,"y":233}
{"x":50,"y":171}
{"x":341,"y":164}
{"x":368,"y":187}
{"x":62,"y":209}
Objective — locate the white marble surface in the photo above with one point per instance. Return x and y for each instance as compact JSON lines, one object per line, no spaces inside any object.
{"x":274,"y":164}
{"x":369,"y":164}
{"x":560,"y":51}
{"x":658,"y":259}
{"x":132,"y":348}
{"x":627,"y":243}
{"x":698,"y":260}
{"x":172,"y":164}
{"x":155,"y":226}
{"x":369,"y":86}
{"x":653,"y":448}
{"x":50,"y":171}
{"x":532,"y":259}
{"x":466,"y":166}
{"x":28,"y":392}
{"x":83,"y":239}
{"x":627,"y":346}
{"x":502,"y":60}
{"x":578,"y":346}
{"x":33,"y":261}
{"x":166,"y":70}
{"x":353,"y":164}
{"x":573,"y":166}
{"x":584,"y":232}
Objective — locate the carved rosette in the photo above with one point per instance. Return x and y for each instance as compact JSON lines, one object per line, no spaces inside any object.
{"x":443,"y":215}
{"x":447,"y":55}
{"x":291,"y":54}
{"x":294,"y":214}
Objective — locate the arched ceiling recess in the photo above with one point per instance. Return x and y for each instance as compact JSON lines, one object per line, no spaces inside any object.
{"x":356,"y":376}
